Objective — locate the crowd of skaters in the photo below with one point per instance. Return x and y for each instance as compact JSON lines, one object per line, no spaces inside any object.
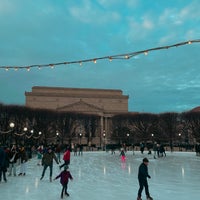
{"x":19,"y":154}
{"x":13,"y":161}
{"x":11,"y":157}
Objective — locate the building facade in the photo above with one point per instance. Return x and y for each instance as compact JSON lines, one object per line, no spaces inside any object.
{"x":102,"y":102}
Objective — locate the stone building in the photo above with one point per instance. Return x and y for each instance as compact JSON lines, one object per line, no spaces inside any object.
{"x":102,"y":102}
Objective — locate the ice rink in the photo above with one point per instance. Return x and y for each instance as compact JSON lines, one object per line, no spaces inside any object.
{"x":102,"y":176}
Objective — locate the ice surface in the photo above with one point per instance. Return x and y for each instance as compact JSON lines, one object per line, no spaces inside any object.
{"x":102,"y":176}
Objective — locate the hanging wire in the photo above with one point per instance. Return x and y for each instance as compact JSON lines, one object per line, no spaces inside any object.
{"x":94,"y":60}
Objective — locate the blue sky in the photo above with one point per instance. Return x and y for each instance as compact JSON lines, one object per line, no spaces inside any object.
{"x":49,"y":31}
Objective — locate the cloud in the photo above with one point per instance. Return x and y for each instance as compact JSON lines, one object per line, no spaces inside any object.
{"x":148,"y":24}
{"x":6,"y":7}
{"x":190,"y":11}
{"x":137,"y":30}
{"x":89,"y":12}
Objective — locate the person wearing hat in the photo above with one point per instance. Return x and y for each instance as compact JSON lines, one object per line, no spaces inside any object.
{"x":142,"y":178}
{"x":64,"y":176}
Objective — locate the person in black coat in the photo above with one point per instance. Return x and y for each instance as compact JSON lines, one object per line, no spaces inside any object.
{"x":142,"y":178}
{"x":4,"y":163}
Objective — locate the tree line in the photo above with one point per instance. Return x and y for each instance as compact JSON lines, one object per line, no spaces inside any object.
{"x":170,"y":127}
{"x":47,"y":126}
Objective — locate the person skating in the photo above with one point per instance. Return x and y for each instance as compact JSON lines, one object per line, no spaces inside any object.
{"x":64,"y":176}
{"x":2,"y":164}
{"x":142,"y":178}
{"x":66,"y":157}
{"x":13,"y":157}
{"x":23,"y":160}
{"x":6,"y":164}
{"x":155,"y":149}
{"x":47,"y":161}
{"x":39,"y":154}
{"x":123,"y":155}
{"x":58,"y":152}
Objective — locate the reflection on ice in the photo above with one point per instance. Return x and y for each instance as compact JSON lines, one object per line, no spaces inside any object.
{"x":36,"y":182}
{"x":100,"y":175}
{"x":104,"y":170}
{"x":27,"y":189}
{"x":183,"y":172}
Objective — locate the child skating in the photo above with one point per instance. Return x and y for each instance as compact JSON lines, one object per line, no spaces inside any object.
{"x":64,"y":176}
{"x":123,"y":155}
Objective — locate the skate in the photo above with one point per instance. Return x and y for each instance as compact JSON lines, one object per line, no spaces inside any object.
{"x":66,"y":193}
{"x":149,"y":198}
{"x":139,"y":198}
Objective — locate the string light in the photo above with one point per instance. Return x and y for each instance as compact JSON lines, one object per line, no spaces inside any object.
{"x":51,"y":65}
{"x":94,"y":60}
{"x":110,"y":59}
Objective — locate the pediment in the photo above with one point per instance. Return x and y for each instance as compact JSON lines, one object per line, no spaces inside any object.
{"x":81,"y":106}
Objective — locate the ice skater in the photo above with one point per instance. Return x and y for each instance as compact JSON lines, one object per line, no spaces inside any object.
{"x":66,"y":157}
{"x":13,"y":157}
{"x":4,"y":163}
{"x":155,"y":149}
{"x":123,"y":155}
{"x":64,"y":176}
{"x":23,"y":160}
{"x":47,"y":161}
{"x":39,"y":154}
{"x":142,"y":178}
{"x":162,"y":150}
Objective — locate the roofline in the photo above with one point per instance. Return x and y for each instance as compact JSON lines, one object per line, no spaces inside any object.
{"x":86,"y":89}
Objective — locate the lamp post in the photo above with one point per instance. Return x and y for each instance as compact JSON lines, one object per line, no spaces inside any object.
{"x":80,"y":136}
{"x":152,"y":138}
{"x":25,"y":130}
{"x":180,"y":148}
{"x":128,"y":139}
{"x":57,"y":137}
{"x":104,"y":138}
{"x":12,"y":125}
{"x":39,"y":140}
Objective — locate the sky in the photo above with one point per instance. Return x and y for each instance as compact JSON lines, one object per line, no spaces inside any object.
{"x":44,"y":32}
